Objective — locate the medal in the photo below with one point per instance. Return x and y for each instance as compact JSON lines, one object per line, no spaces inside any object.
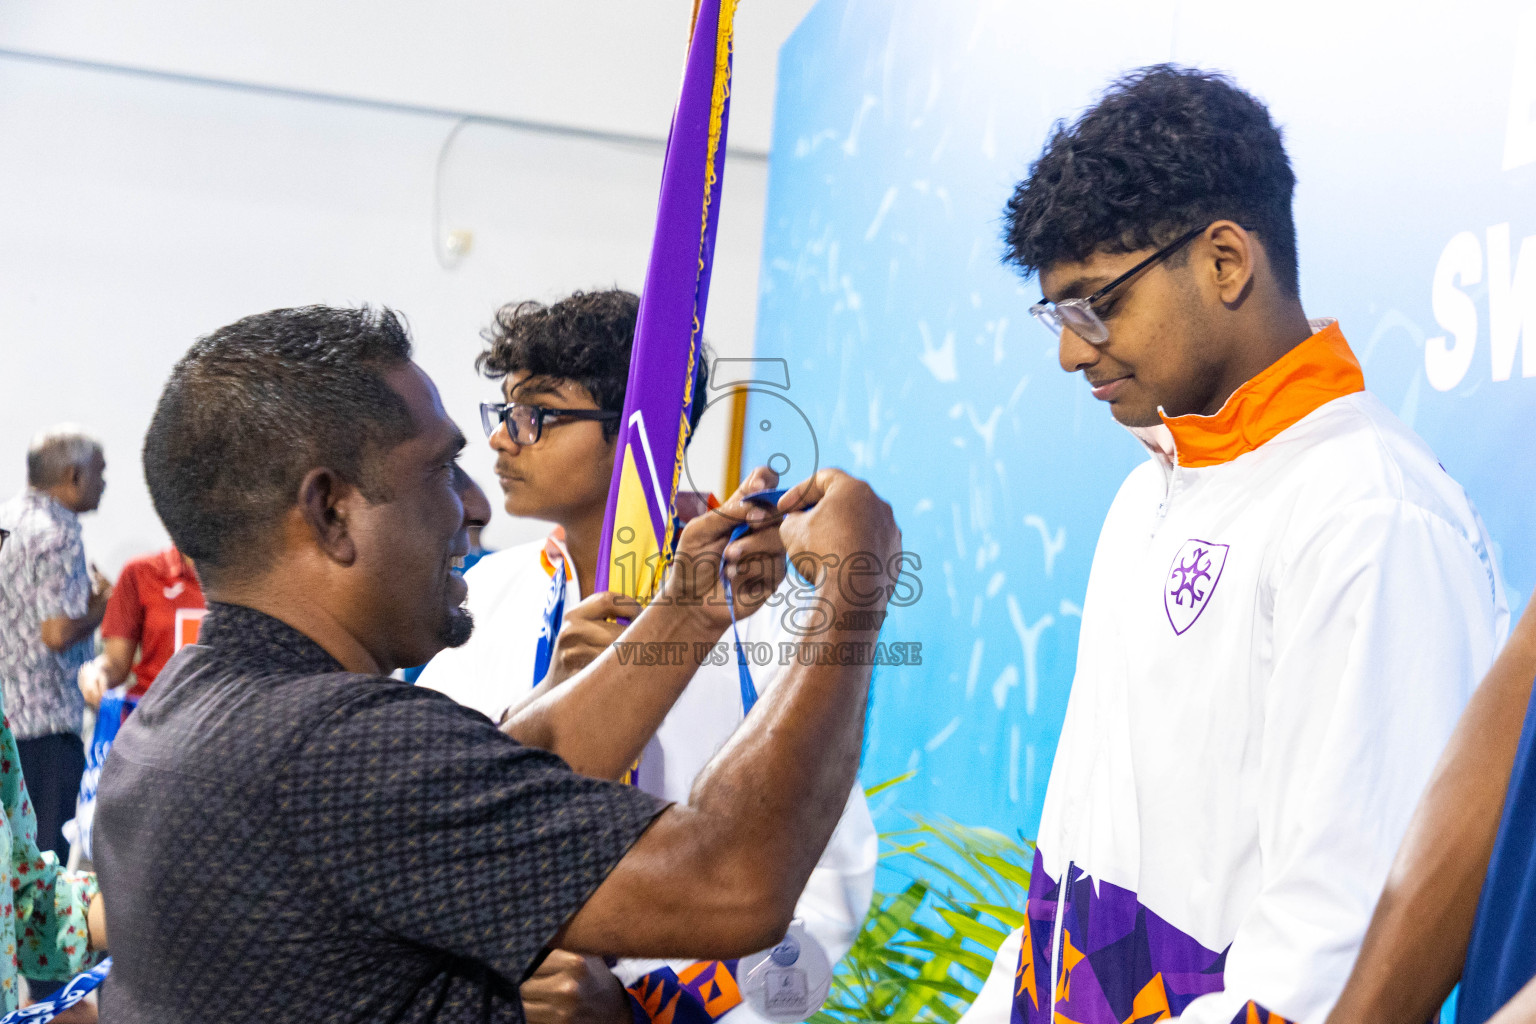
{"x":788,"y":983}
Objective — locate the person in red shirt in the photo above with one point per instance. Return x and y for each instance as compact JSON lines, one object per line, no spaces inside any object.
{"x":155,"y":611}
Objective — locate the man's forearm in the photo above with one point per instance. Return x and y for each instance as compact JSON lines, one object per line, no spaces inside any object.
{"x":1413,"y":951}
{"x":719,"y":877}
{"x":61,"y":633}
{"x":777,"y":791}
{"x":116,"y":658}
{"x":600,"y":720}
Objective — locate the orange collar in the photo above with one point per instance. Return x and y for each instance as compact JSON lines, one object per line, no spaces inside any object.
{"x":1307,"y":377}
{"x":554,"y":551}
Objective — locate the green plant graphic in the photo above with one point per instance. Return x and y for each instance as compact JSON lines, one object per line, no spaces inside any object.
{"x":925,"y":951}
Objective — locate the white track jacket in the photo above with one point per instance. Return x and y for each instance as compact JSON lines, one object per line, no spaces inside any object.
{"x":1289,"y":606}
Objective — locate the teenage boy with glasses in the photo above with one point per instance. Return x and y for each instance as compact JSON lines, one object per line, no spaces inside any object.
{"x":1289,"y":604}
{"x":563,"y":370}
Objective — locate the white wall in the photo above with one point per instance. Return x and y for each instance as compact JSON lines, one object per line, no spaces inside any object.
{"x":609,"y":65}
{"x":138,"y":212}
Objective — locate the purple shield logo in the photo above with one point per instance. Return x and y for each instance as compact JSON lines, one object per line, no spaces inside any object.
{"x":1191,"y":582}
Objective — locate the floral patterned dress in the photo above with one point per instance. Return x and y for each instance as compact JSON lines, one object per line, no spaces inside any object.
{"x":42,"y":907}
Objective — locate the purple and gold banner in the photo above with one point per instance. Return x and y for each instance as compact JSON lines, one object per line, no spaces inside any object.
{"x":637,"y":539}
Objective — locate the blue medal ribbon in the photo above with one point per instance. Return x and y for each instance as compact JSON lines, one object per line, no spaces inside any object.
{"x":744,"y":674}
{"x":554,"y":614}
{"x":770,"y":501}
{"x":77,"y":989}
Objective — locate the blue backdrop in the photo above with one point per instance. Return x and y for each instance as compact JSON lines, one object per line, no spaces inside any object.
{"x":901,"y":128}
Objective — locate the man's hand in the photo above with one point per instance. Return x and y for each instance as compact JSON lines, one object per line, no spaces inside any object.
{"x":588,"y":630}
{"x":107,"y":669}
{"x":101,"y":593}
{"x":848,"y":519}
{"x":601,"y":720}
{"x":569,"y":988}
{"x":754,"y":564}
{"x":93,"y":681}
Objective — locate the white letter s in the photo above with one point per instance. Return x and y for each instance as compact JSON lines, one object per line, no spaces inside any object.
{"x":1444,"y":365}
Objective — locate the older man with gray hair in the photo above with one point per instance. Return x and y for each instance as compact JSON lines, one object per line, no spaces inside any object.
{"x":50,"y":605}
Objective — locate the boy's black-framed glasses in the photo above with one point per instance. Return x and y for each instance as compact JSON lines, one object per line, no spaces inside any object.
{"x":525,"y":423}
{"x":1077,"y":315}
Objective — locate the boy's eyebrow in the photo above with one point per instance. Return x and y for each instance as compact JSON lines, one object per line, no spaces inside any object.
{"x":1080,"y":287}
{"x":535,"y":386}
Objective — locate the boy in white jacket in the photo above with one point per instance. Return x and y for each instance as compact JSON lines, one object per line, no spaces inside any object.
{"x":1290,"y":602}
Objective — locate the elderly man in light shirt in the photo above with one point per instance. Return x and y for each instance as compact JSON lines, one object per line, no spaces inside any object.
{"x":51,"y":602}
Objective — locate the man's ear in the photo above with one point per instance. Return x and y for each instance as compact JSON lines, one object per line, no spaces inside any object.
{"x":325,"y":501}
{"x":1234,"y":253}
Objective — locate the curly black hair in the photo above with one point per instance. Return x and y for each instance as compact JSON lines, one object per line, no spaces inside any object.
{"x":253,"y":407}
{"x":1166,"y":149}
{"x":584,"y":338}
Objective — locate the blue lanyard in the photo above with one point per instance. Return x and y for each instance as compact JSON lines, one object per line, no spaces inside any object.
{"x":770,"y":501}
{"x":63,"y":999}
{"x":554,"y":614}
{"x":744,"y":674}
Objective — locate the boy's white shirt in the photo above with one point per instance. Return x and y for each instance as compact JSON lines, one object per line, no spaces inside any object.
{"x":507,"y":594}
{"x":1250,"y":779}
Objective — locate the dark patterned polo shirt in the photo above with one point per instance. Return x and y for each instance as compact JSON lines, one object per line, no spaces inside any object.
{"x":280,"y":840}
